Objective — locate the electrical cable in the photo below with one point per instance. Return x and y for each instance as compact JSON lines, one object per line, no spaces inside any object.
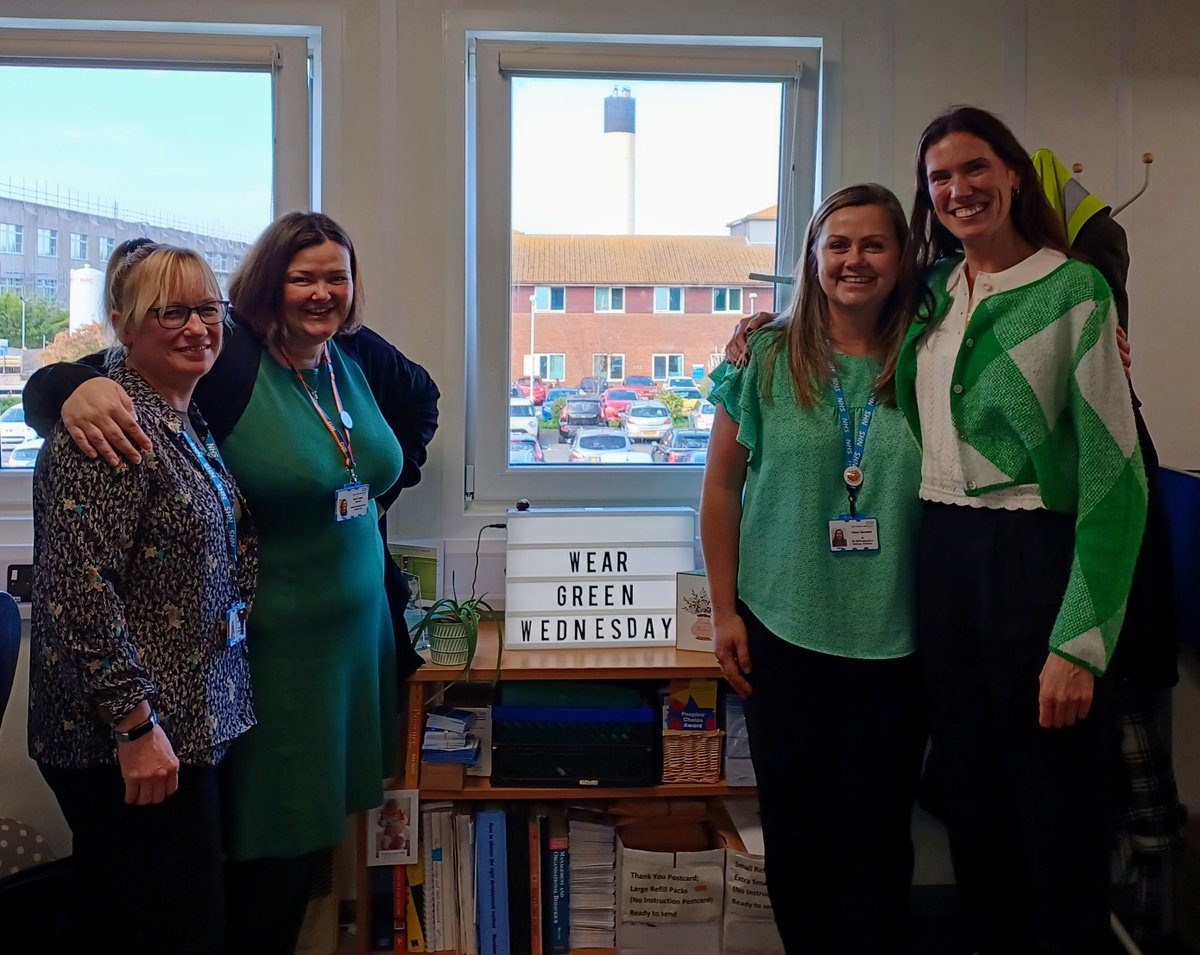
{"x":478,"y":544}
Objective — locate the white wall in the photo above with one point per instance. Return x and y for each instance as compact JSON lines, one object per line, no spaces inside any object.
{"x":1100,"y":81}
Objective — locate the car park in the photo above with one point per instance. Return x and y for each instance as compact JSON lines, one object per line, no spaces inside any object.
{"x":593,"y":385}
{"x":579,"y":411}
{"x":25,"y":454}
{"x":524,"y":449}
{"x":645,"y":386}
{"x":14,"y":430}
{"x":605,"y":446}
{"x":646,"y":421}
{"x":552,"y":395}
{"x":702,"y":418}
{"x":615,"y":401}
{"x":691,"y":398}
{"x":522,"y":416}
{"x":682,"y":447}
{"x":534,"y":389}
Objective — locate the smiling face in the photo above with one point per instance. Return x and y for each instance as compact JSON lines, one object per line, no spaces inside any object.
{"x":172,"y":360}
{"x":971,"y":189}
{"x":858,"y":258}
{"x":318,"y":291}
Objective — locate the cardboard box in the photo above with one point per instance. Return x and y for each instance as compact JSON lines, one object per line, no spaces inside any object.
{"x":748,"y":921}
{"x":739,"y":771}
{"x":693,"y":611}
{"x":670,"y":901}
{"x":448,"y":776}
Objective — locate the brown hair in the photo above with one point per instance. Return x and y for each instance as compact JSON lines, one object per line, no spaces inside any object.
{"x":804,"y":324}
{"x":256,"y":288}
{"x":1031,"y":213}
{"x":146,"y":274}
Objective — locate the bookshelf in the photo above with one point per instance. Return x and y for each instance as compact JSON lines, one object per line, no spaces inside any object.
{"x":622,"y":663}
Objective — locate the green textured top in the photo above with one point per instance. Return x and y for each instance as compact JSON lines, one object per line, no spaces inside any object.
{"x":850,"y":604}
{"x":322,"y":652}
{"x":1039,"y":397}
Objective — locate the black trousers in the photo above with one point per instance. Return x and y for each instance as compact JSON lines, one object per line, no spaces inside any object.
{"x":267,"y":901}
{"x":1026,"y":808}
{"x":836,"y":745}
{"x":146,"y":878}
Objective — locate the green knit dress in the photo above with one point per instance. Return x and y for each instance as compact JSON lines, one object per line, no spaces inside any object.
{"x":322,"y":657}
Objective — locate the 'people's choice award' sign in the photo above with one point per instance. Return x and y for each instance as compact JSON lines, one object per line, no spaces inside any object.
{"x":604,"y":577}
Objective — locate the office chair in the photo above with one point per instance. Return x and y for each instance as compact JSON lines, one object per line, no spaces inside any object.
{"x":10,"y":646}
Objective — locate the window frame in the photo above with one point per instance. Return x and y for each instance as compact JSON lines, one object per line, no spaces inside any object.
{"x":290,"y":54}
{"x":611,"y":290}
{"x":83,"y":243}
{"x":609,"y":356}
{"x":669,"y":374}
{"x":668,"y":289}
{"x":550,"y":291}
{"x":50,"y":244}
{"x":492,"y":58}
{"x":16,"y":231}
{"x":729,"y":291}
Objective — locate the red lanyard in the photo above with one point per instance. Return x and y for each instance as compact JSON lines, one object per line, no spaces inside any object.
{"x":341,"y":440}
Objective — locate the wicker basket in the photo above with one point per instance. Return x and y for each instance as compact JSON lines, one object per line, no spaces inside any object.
{"x":691,"y":757}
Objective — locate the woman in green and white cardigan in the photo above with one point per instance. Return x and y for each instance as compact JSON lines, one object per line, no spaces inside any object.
{"x":1033,"y":508}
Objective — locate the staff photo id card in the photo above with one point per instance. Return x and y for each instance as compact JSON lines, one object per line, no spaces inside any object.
{"x":849,"y":535}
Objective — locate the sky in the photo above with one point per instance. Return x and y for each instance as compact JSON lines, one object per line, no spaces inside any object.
{"x":189,"y":145}
{"x":706,"y":154}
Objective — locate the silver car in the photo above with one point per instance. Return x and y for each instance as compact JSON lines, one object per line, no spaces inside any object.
{"x":646,"y":421}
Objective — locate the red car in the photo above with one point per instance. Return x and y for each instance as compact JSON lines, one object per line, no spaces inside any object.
{"x":645,"y":386}
{"x":537,"y":392}
{"x":616,"y":401}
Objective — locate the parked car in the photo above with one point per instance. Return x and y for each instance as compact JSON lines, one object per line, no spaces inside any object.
{"x":579,"y":411}
{"x":645,"y":386}
{"x":593,"y":385}
{"x":691,"y":398}
{"x":13,"y":430}
{"x":524,"y":449}
{"x":680,"y":383}
{"x":25,"y":454}
{"x":605,"y":446}
{"x":615,"y":401}
{"x":702,"y":418}
{"x":646,"y":420}
{"x":521,"y":416}
{"x":682,"y":447}
{"x":552,"y":395}
{"x":536,"y":390}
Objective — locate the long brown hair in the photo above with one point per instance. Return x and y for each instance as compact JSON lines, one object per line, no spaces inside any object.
{"x":804,"y":325}
{"x":256,"y":288}
{"x":1031,"y":214}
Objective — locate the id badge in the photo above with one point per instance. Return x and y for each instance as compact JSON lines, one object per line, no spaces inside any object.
{"x":351,"y":501}
{"x":848,"y":535}
{"x":236,"y":623}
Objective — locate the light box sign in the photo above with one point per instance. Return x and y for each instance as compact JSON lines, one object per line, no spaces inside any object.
{"x":600,"y":577}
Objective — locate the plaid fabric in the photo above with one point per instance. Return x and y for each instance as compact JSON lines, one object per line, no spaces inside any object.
{"x":1149,"y":816}
{"x":1039,"y":398}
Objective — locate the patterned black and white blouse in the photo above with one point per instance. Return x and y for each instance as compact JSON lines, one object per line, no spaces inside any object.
{"x":131,"y":590}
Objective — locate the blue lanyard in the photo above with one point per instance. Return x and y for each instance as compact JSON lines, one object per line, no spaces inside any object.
{"x":855,"y":445}
{"x":205,"y":458}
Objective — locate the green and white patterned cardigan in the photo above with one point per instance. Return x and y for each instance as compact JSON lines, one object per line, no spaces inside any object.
{"x":1039,"y":398}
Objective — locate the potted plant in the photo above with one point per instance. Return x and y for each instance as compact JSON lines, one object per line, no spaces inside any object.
{"x":452,"y":628}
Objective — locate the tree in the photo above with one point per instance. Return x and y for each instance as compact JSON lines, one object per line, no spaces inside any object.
{"x":71,"y":346}
{"x":43,"y":318}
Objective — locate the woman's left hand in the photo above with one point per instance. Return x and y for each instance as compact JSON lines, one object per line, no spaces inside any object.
{"x":1123,"y":349}
{"x":1065,"y":694}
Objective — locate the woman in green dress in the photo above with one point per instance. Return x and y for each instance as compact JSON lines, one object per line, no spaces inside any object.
{"x":323,"y":423}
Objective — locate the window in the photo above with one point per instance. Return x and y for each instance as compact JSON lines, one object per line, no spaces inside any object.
{"x":12,"y":238}
{"x":550,"y":298}
{"x":668,"y":299}
{"x":592,"y":163}
{"x":253,"y":88}
{"x":548,"y":367}
{"x":727,"y":300}
{"x":667,"y":366}
{"x":611,"y":367}
{"x":609,"y":299}
{"x":12,"y":283}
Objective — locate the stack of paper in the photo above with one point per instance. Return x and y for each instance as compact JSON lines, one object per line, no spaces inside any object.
{"x":593,"y":878}
{"x":447,"y":739}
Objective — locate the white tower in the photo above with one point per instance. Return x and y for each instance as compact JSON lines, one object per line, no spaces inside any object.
{"x":619,"y":154}
{"x":86,"y":303}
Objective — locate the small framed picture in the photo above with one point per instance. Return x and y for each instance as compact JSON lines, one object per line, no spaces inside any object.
{"x":392,"y":829}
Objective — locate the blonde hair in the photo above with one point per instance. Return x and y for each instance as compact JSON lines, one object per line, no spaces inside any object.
{"x":142,"y":279}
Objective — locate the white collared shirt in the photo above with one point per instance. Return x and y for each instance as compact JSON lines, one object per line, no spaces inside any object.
{"x":941,"y":467}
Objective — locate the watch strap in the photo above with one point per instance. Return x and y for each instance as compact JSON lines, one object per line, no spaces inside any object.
{"x":137,"y":732}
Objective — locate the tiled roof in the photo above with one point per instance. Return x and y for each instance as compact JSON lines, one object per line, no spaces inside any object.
{"x":769,"y":213}
{"x":637,"y":259}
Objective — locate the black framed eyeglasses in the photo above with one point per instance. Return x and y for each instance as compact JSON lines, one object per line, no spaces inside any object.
{"x":176,"y":316}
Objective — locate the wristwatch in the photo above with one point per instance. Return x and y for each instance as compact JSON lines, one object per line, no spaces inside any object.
{"x":137,"y":732}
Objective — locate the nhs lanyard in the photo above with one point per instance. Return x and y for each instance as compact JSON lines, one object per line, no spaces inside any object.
{"x":854,"y":444}
{"x":205,"y":457}
{"x":343,"y":443}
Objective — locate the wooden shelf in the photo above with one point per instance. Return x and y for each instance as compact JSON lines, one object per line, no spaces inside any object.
{"x":619,"y":663}
{"x":479,"y":787}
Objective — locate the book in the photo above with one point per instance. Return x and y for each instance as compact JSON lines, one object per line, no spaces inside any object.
{"x":414,"y":911}
{"x":557,"y":861}
{"x":491,"y":862}
{"x":517,"y":837}
{"x":414,"y":724}
{"x":448,"y":863}
{"x":383,"y":937}
{"x":432,"y":886}
{"x":535,"y":825}
{"x":593,"y":878}
{"x":399,"y":909}
{"x":449,"y":718}
{"x":464,"y":828}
